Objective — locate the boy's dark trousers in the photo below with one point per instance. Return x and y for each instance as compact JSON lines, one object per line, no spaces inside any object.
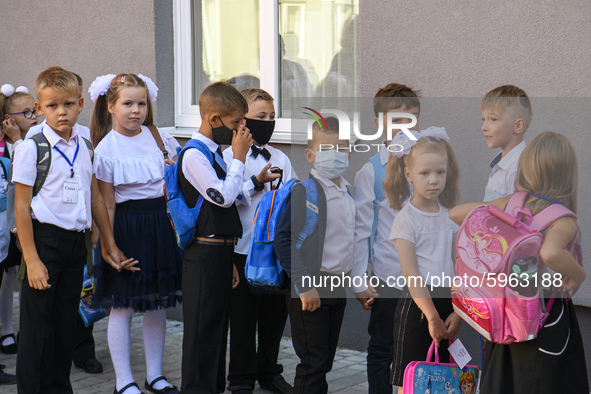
{"x":315,"y":337}
{"x":48,"y":317}
{"x":380,"y":350}
{"x":83,"y":343}
{"x":207,"y":284}
{"x":247,"y":310}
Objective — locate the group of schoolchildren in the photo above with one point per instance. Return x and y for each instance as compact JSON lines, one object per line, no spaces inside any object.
{"x":401,"y":216}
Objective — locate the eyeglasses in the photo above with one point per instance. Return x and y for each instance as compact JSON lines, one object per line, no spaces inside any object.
{"x":26,"y":114}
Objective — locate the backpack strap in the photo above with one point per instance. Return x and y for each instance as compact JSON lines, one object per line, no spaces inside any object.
{"x":43,"y":160}
{"x":158,"y":138}
{"x":191,"y":195}
{"x":379,"y":171}
{"x":311,"y":211}
{"x":516,"y":203}
{"x":550,"y":214}
{"x":90,"y":149}
{"x":5,"y":166}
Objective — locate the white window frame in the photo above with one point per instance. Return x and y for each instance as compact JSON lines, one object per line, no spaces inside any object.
{"x":187,"y":118}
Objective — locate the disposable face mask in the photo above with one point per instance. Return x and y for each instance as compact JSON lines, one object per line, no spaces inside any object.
{"x":261,"y":130}
{"x":331,"y":163}
{"x":221,"y":135}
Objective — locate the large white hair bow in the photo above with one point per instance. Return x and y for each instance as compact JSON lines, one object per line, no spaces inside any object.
{"x":100,"y":86}
{"x":402,"y":145}
{"x":152,"y":88}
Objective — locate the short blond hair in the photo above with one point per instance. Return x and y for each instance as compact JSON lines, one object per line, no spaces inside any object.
{"x":253,"y":94}
{"x":507,"y":96}
{"x":57,"y":78}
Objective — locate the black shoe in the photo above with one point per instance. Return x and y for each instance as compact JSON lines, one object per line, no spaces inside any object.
{"x":278,"y":385}
{"x":170,"y":389}
{"x":8,"y":349}
{"x":242,"y":391}
{"x":126,"y":387}
{"x":6,"y":378}
{"x":91,"y":366}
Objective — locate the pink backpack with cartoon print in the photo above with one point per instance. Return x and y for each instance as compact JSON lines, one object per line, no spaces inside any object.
{"x":498,"y":258}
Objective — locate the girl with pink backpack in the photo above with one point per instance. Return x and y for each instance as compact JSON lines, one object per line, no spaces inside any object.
{"x":423,"y":235}
{"x":555,"y":360}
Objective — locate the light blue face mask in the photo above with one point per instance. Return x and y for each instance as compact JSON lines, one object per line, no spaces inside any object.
{"x":331,"y":163}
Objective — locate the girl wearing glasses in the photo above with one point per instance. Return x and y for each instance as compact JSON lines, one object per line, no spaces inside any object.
{"x":18,"y":115}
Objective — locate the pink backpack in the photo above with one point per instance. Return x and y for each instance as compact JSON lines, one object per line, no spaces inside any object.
{"x":498,"y":258}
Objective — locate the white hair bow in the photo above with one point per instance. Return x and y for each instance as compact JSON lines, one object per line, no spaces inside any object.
{"x":100,"y":86}
{"x":402,"y":145}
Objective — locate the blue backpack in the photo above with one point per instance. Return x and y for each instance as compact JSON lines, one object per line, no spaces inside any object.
{"x":6,"y":169}
{"x":262,"y":269}
{"x":183,"y":218}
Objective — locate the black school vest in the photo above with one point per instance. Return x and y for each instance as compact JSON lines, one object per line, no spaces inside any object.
{"x":212,"y":219}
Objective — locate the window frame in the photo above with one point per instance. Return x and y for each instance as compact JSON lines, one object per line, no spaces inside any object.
{"x":186,"y":116}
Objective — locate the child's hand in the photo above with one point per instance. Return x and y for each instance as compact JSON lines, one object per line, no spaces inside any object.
{"x":116,"y":259}
{"x":241,"y":142}
{"x":265,"y":176}
{"x":235,"y":277}
{"x":367,"y":297}
{"x":310,"y":300}
{"x":569,"y":284}
{"x":168,"y":161}
{"x":11,"y":130}
{"x":437,"y":330}
{"x":37,"y":275}
{"x":452,"y":325}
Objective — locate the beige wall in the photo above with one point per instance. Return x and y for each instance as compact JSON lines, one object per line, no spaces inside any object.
{"x":88,"y":37}
{"x":461,"y":49}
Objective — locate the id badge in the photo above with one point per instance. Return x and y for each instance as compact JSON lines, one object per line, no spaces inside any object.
{"x":70,"y":194}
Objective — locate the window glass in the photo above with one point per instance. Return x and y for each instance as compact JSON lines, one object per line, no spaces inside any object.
{"x":225,"y":44}
{"x":318,"y":49}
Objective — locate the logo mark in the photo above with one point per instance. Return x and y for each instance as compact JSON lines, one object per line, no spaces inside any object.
{"x":316,"y":119}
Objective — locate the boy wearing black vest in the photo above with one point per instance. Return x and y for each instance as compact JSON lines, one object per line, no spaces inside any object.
{"x":208,"y":272}
{"x":316,"y":311}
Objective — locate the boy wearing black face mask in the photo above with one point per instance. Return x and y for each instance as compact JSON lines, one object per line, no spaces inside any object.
{"x":208,"y":272}
{"x":247,"y":309}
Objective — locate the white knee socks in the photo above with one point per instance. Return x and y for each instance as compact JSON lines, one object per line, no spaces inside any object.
{"x":119,"y":337}
{"x":154,"y":331}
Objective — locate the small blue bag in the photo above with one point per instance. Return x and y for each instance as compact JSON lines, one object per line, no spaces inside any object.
{"x":262,"y":269}
{"x":183,"y":218}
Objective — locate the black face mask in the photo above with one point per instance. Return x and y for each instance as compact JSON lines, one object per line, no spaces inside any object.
{"x":221,"y":135}
{"x":261,"y":130}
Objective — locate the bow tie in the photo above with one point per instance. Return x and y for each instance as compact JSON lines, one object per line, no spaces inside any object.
{"x":263,"y":152}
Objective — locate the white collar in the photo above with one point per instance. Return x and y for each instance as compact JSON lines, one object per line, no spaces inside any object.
{"x":329,"y":182}
{"x":212,"y":146}
{"x":510,"y":158}
{"x":54,"y":137}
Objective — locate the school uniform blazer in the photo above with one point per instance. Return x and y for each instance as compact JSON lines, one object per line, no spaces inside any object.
{"x":308,"y":260}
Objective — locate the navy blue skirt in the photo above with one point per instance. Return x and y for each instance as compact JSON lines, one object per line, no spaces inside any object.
{"x":143,"y":231}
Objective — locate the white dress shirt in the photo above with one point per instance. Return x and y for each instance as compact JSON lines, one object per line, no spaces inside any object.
{"x":501,"y":182}
{"x":48,"y":206}
{"x":201,"y":174}
{"x":134,"y":165}
{"x":249,"y":199}
{"x":337,"y":254}
{"x":79,"y":129}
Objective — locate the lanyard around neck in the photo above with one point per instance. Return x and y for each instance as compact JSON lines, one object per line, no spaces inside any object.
{"x":71,"y":163}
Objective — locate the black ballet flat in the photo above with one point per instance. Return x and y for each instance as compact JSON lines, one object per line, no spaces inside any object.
{"x":170,"y":389}
{"x":8,"y":349}
{"x":126,"y":387}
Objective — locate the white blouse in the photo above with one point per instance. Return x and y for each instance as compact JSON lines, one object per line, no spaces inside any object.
{"x":134,"y":165}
